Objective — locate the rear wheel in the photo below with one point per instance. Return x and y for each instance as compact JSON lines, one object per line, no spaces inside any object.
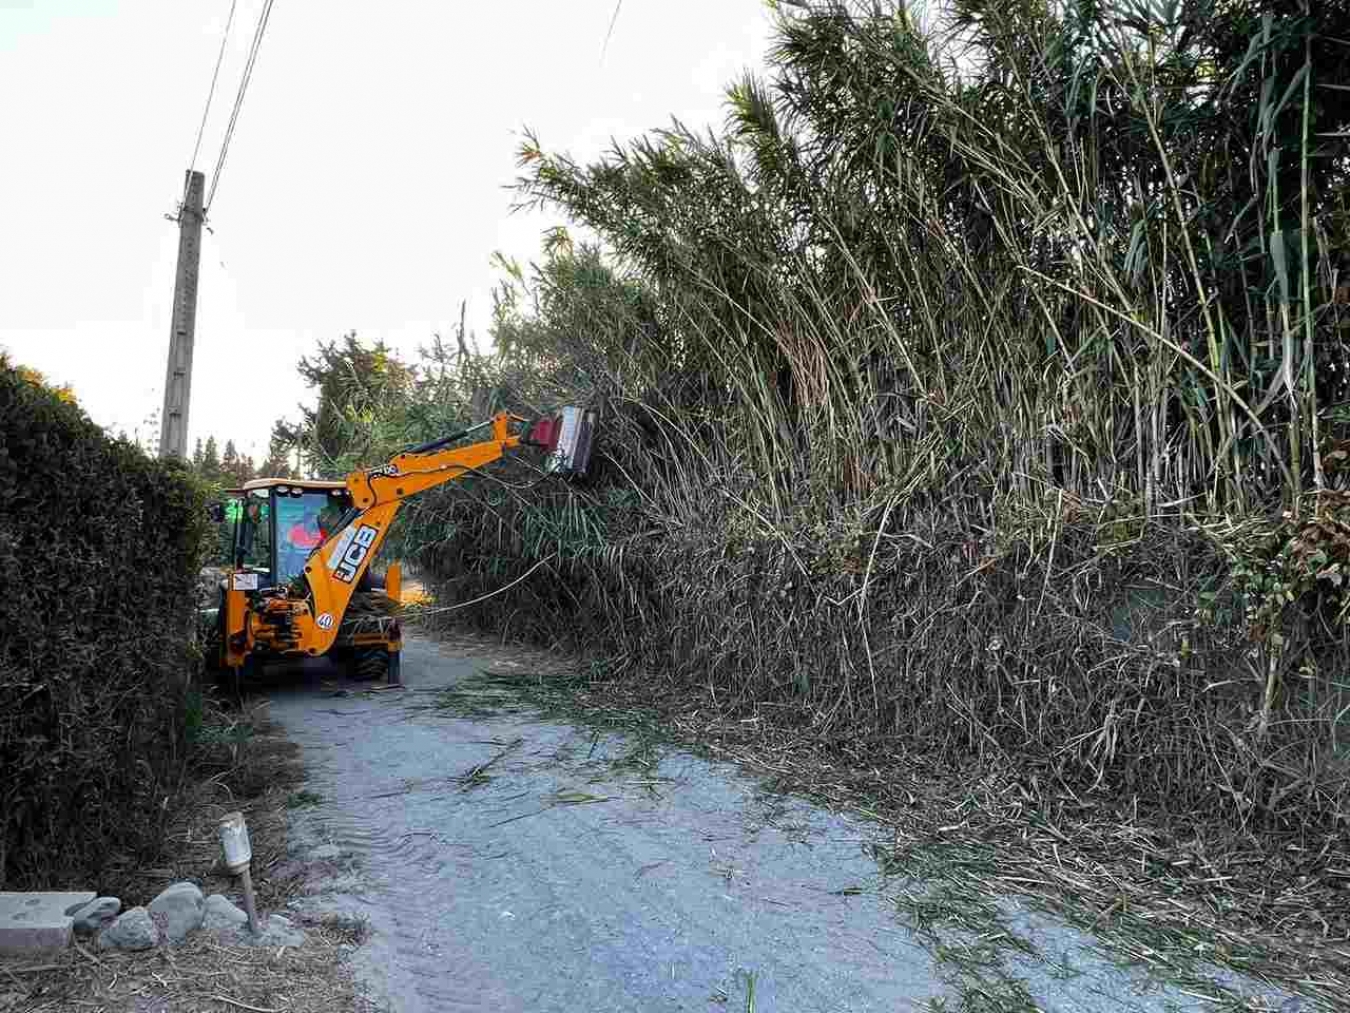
{"x":372,"y":663}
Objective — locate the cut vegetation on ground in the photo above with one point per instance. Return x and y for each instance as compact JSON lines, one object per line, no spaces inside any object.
{"x":978,"y":873}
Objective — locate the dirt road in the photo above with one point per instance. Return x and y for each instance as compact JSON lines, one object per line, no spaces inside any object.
{"x":506,"y":863}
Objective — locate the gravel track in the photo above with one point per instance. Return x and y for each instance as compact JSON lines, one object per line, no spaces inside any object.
{"x":507,"y":863}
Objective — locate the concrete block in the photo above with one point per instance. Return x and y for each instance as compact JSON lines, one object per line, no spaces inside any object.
{"x":38,"y":922}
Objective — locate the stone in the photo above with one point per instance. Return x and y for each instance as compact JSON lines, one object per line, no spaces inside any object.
{"x":95,"y":916}
{"x":277,"y":931}
{"x":178,"y":910}
{"x":280,"y":932}
{"x":221,"y":914}
{"x":38,"y":922}
{"x":131,"y":930}
{"x":326,"y":853}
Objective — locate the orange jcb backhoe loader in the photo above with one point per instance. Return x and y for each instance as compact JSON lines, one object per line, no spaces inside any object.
{"x":302,"y":548}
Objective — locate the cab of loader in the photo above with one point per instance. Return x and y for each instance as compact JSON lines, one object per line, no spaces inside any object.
{"x":275,"y":523}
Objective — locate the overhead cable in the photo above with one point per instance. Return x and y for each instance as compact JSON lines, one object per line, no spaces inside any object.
{"x":192,"y":163}
{"x":258,"y":33}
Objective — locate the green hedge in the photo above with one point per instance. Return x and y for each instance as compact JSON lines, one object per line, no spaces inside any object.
{"x":99,"y":545}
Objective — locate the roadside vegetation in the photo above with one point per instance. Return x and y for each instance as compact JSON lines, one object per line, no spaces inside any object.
{"x":976,"y":401}
{"x":99,"y":546}
{"x":117,"y":762}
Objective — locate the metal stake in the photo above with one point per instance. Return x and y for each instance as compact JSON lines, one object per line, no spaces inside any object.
{"x":238,"y":854}
{"x":249,"y":908}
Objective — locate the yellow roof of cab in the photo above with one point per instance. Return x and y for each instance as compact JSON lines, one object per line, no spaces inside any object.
{"x":293,"y":483}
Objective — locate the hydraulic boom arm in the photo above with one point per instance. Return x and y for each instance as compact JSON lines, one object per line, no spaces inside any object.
{"x":336,"y":567}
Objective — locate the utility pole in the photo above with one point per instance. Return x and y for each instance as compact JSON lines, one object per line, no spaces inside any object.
{"x":178,"y":376}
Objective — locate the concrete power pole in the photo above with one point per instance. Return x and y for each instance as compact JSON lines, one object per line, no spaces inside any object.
{"x":178,"y":377}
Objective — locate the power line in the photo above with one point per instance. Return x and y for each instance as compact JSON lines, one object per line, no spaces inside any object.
{"x":192,"y":163}
{"x":612,"y":21}
{"x":258,"y":33}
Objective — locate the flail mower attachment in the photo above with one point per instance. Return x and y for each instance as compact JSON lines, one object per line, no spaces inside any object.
{"x":567,"y":437}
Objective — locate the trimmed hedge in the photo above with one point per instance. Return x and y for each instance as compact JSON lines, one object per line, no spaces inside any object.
{"x":99,"y":545}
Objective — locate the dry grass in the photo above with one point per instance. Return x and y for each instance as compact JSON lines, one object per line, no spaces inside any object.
{"x":243,"y":765}
{"x":201,"y":976}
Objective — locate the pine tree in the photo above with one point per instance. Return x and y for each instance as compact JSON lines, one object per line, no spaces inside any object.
{"x":236,"y":468}
{"x":210,"y":466}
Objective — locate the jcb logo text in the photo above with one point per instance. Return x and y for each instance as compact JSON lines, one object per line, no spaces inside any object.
{"x":355,"y":555}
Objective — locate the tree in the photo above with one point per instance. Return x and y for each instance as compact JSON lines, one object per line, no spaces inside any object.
{"x":209,"y":467}
{"x":37,"y":378}
{"x":236,"y":468}
{"x":278,"y":462}
{"x":363,"y":394}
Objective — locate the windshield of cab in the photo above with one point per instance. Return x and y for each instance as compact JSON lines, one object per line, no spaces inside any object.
{"x":303,"y":523}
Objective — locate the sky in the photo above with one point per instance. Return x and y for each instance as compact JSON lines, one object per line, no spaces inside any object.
{"x":365,"y":189}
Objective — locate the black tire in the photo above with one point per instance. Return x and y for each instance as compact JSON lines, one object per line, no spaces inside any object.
{"x":341,"y":659}
{"x":370,"y":663}
{"x":213,"y":644}
{"x":211,"y":655}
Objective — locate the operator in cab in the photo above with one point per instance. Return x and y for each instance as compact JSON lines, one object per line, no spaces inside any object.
{"x":306,"y":533}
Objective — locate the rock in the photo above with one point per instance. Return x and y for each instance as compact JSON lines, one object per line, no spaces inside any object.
{"x":326,"y":853}
{"x":277,"y":931}
{"x":37,"y":922}
{"x":178,"y":910}
{"x":280,"y":932}
{"x":96,"y":915}
{"x":132,"y":930}
{"x":221,"y":914}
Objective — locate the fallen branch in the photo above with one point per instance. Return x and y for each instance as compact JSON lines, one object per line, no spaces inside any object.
{"x":243,"y":1005}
